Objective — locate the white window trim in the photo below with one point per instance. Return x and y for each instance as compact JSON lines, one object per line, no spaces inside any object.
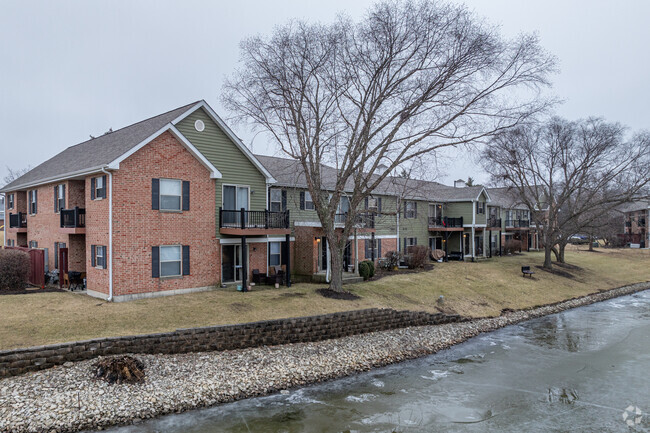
{"x":160,"y":261}
{"x":271,"y":201}
{"x":406,"y":211}
{"x":33,"y":199}
{"x":97,"y":196}
{"x":269,"y":253}
{"x":180,"y":201}
{"x":10,"y":207}
{"x":59,"y":190}
{"x":99,"y":248}
{"x":236,"y":195}
{"x":311,"y":200}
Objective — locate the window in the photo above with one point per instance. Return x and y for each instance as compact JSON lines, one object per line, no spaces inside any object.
{"x":171,"y":192}
{"x":10,"y":243}
{"x":372,"y":249}
{"x":275,"y":253}
{"x":10,"y":201}
{"x":98,"y":188}
{"x":33,"y":201}
{"x":410,"y":209}
{"x":276,"y":200}
{"x":33,"y":244}
{"x":409,"y":242}
{"x":170,"y":261}
{"x":59,"y":198}
{"x":97,"y":256}
{"x":309,"y":203}
{"x":480,"y":207}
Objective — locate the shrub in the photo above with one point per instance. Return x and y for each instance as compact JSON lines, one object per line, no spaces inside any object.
{"x":512,"y":246}
{"x":371,"y":266}
{"x":364,"y":270}
{"x":392,"y":260}
{"x":417,"y":257}
{"x":14,"y":269}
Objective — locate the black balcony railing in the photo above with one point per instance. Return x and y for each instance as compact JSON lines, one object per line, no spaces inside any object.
{"x":363,"y":220}
{"x":445,"y":222}
{"x":253,"y":219}
{"x":73,"y":218}
{"x":494,"y":222}
{"x":641,"y":222}
{"x":517,"y":223}
{"x":18,"y":220}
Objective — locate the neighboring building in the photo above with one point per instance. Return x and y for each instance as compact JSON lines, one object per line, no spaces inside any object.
{"x":167,"y":205}
{"x":513,"y":218}
{"x":2,"y":211}
{"x":635,"y":223}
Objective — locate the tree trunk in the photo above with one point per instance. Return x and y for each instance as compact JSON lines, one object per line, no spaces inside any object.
{"x":336,"y":261}
{"x":557,"y":254}
{"x":548,"y":263}
{"x":560,"y":258}
{"x":591,"y":243}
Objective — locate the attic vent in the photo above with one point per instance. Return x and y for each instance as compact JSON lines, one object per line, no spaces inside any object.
{"x":199,"y":125}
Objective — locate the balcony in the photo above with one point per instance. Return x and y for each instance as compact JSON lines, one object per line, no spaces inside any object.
{"x":73,"y":221}
{"x":518,"y":224}
{"x":440,"y":223}
{"x":18,"y":222}
{"x":253,"y":222}
{"x":364,"y":220}
{"x":494,"y":223}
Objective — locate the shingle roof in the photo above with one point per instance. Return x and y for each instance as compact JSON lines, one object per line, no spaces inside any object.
{"x":635,"y":206}
{"x":96,"y":152}
{"x":289,"y":173}
{"x":506,"y":198}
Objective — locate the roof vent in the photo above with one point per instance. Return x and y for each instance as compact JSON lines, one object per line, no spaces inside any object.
{"x":199,"y":125}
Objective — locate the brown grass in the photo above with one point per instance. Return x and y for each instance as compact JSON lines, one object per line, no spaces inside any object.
{"x":470,"y":289}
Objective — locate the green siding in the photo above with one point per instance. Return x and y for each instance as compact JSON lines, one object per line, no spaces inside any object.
{"x":234,"y":166}
{"x":415,"y":227}
{"x":460,"y":209}
{"x":482,"y":218}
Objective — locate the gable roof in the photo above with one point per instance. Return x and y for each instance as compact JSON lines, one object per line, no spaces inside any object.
{"x":289,"y":173}
{"x":108,"y":150}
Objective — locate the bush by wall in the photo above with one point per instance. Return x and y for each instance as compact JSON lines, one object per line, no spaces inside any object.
{"x":512,"y":246}
{"x":14,"y":269}
{"x":392,"y":259}
{"x":364,"y":270}
{"x":417,"y":257}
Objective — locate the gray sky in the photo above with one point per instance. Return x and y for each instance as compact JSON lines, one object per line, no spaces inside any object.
{"x":71,"y":69}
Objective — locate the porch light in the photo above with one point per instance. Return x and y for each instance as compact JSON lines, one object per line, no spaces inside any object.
{"x":317,"y":239}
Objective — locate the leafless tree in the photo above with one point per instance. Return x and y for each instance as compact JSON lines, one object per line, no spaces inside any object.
{"x":367,"y":97}
{"x":13,"y":174}
{"x":569,"y":174}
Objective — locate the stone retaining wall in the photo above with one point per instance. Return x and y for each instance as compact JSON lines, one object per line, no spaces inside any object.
{"x":228,"y":337}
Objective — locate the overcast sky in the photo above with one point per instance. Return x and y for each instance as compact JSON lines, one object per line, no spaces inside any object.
{"x":71,"y":69}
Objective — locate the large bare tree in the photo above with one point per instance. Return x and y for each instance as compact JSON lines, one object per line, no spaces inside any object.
{"x":368,"y":97}
{"x":571,"y":175}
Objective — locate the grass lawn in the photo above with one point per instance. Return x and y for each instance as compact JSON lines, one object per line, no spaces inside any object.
{"x":469,"y":289}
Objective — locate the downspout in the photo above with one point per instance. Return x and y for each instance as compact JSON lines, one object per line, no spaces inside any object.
{"x":473,"y":229}
{"x":110,"y":234}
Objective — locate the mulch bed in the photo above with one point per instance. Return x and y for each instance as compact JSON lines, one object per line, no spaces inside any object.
{"x":332,"y":294}
{"x":379,"y":274}
{"x":30,"y":291}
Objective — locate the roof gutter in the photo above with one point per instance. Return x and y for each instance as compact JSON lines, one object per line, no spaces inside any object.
{"x":110,"y":234}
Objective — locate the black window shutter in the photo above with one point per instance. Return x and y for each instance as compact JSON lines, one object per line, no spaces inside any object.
{"x":283,"y":256}
{"x":155,"y":194}
{"x":35,"y":201}
{"x":155,"y":262}
{"x":92,"y":188}
{"x":93,"y":256}
{"x":186,"y":259}
{"x":56,"y":199}
{"x":186,"y":195}
{"x":415,"y":241}
{"x":404,"y":249}
{"x":103,"y":192}
{"x":104,"y":258}
{"x":284,"y":200}
{"x":367,"y":250}
{"x":379,"y":248}
{"x":302,"y":200}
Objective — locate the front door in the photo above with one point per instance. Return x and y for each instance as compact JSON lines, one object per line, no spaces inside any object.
{"x":435,"y":243}
{"x":322,"y":261}
{"x":231,"y":263}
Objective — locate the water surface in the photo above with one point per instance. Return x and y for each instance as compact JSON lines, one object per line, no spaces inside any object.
{"x":574,"y":371}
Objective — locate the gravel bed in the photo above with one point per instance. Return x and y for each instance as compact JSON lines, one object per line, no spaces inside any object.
{"x":67,"y":399}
